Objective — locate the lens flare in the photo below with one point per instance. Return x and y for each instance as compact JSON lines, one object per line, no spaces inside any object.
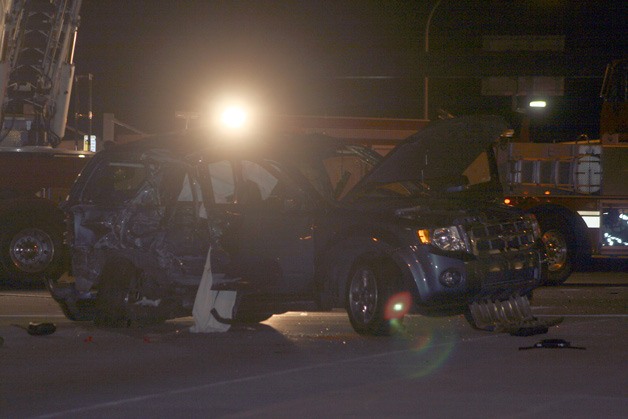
{"x":428,"y":354}
{"x":398,"y":306}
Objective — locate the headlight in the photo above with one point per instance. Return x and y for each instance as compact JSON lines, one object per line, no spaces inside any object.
{"x":533,"y":225}
{"x":450,"y":239}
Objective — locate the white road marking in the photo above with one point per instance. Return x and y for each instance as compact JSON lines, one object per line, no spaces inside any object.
{"x":12,"y":316}
{"x":120,"y":402}
{"x":42,"y":295}
{"x":582,"y":315}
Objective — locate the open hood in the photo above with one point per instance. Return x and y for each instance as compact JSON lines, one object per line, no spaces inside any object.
{"x":442,"y":152}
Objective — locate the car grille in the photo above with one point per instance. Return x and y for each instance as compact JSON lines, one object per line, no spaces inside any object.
{"x":492,"y":238}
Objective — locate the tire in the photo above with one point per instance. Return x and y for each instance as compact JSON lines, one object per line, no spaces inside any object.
{"x":251,"y":317}
{"x":560,"y":250}
{"x":113,"y":290}
{"x":32,"y":249}
{"x":118,"y":293}
{"x":369,"y":289}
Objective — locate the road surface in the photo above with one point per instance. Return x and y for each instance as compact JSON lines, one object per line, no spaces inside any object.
{"x":312,"y":365}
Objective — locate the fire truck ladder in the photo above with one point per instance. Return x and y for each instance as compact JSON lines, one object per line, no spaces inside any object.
{"x":37,"y":70}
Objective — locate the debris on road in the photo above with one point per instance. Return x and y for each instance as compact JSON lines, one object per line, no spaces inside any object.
{"x":41,"y":329}
{"x":552,"y":344}
{"x":512,"y":316}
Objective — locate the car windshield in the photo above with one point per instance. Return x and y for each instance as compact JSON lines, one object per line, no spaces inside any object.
{"x":475,"y":178}
{"x":344,"y":167}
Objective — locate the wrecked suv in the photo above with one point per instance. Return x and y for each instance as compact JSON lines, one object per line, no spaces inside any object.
{"x":299,"y":222}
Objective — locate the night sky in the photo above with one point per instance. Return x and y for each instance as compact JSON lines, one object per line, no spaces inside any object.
{"x":365,"y":58}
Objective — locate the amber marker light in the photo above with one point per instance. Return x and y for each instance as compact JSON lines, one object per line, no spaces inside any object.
{"x":424,"y":236}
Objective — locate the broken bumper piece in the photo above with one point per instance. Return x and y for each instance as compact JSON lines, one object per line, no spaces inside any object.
{"x":512,"y":316}
{"x":76,"y":306}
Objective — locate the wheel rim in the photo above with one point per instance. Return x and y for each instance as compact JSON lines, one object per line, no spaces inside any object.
{"x":556,"y":249}
{"x":31,"y":250}
{"x":363,"y":295}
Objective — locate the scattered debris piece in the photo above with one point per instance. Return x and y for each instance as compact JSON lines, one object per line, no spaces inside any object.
{"x":537,"y":329}
{"x":552,"y":344}
{"x":38,"y":329}
{"x":513,"y":316}
{"x":41,"y":329}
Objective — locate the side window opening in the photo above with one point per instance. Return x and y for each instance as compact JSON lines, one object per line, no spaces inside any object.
{"x":257,"y":183}
{"x":181,"y":195}
{"x":114,"y":182}
{"x":264,"y":185}
{"x":222,"y":182}
{"x":185,"y":213}
{"x":318,"y":177}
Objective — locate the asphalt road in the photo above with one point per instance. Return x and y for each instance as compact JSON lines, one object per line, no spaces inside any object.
{"x":312,"y":365}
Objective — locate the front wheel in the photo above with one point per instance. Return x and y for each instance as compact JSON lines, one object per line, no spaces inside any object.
{"x":369,"y":292}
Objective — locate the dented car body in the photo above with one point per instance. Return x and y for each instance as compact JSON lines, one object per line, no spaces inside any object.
{"x":297,"y":222}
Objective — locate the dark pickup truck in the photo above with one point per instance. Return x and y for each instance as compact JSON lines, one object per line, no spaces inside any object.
{"x":300,"y":221}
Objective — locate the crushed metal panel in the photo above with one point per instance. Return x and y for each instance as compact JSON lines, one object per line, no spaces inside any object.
{"x":512,"y":316}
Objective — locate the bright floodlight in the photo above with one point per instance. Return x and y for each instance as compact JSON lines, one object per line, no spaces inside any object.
{"x":234,"y":117}
{"x":538,"y":104}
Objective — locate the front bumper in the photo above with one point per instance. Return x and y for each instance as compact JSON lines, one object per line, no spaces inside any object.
{"x":439,"y":279}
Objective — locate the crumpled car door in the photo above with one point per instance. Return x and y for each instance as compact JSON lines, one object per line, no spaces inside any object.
{"x":267,"y":234}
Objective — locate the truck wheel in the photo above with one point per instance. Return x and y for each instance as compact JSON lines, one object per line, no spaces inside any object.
{"x":32,"y":249}
{"x":368,"y":291}
{"x":559,"y":249}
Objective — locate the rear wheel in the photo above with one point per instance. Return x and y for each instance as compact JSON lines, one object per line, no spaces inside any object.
{"x":369,"y":290}
{"x":113,"y":293}
{"x":119,"y":301}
